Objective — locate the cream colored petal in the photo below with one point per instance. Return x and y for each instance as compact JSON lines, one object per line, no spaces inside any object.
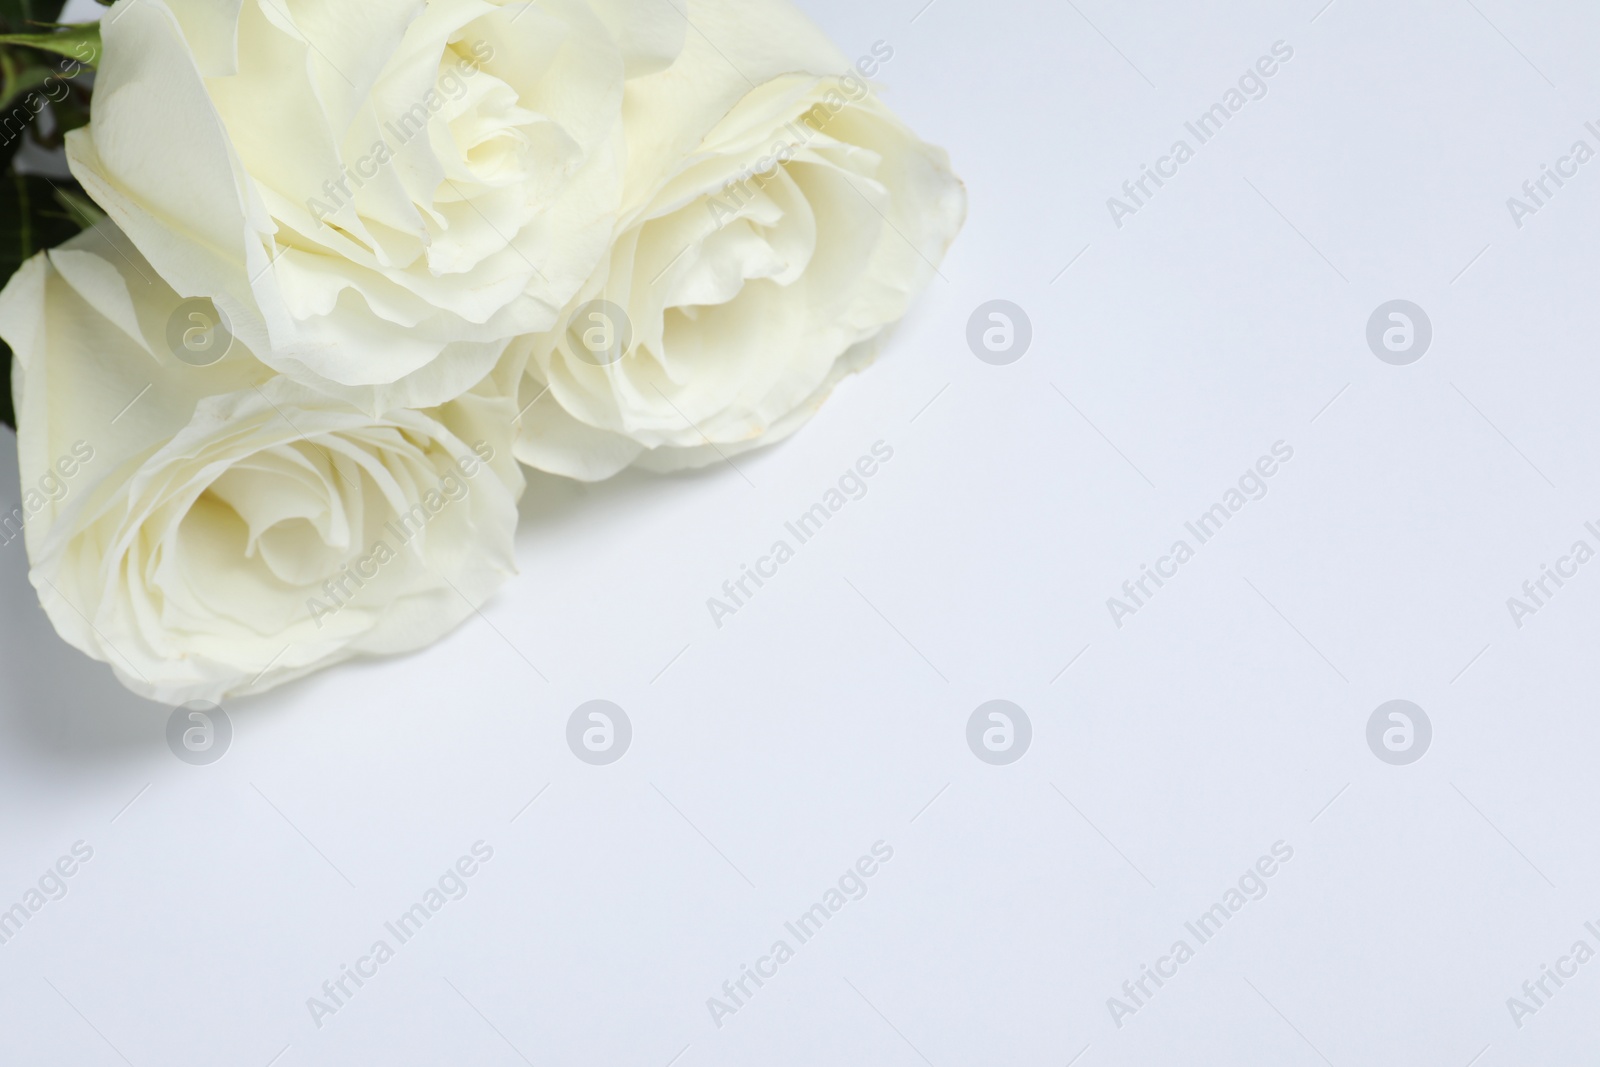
{"x":175,"y":186}
{"x":212,"y":29}
{"x":87,"y":323}
{"x":734,"y":47}
{"x":552,"y":440}
{"x":651,"y":33}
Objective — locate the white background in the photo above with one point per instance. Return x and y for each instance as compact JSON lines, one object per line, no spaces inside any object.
{"x":830,"y":713}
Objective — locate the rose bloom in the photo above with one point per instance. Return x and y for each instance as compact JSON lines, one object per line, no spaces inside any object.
{"x":377,"y":195}
{"x":778,"y":219}
{"x":212,"y":531}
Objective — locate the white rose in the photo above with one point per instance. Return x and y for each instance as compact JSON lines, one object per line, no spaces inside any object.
{"x":778,"y":220}
{"x":376,"y":193}
{"x":215,"y":531}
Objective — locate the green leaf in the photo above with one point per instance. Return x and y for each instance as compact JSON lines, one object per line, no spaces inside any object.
{"x":35,"y":213}
{"x":83,"y":211}
{"x":19,"y":74}
{"x":80,"y":41}
{"x":19,"y":13}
